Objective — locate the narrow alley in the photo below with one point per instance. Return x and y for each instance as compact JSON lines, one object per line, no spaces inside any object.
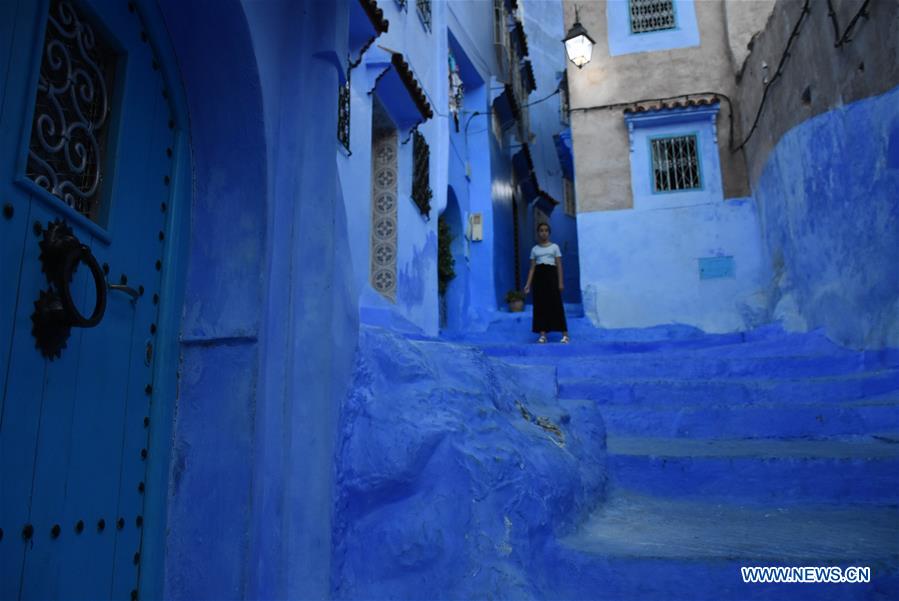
{"x":449,"y":299}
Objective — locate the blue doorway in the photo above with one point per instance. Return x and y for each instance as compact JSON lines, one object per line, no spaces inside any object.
{"x":90,"y":156}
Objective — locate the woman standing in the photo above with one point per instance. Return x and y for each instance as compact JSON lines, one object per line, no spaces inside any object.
{"x":546,"y":276}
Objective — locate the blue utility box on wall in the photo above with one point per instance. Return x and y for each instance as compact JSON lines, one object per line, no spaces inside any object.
{"x":711,"y":268}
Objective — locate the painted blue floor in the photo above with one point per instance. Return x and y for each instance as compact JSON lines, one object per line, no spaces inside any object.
{"x":717,"y":451}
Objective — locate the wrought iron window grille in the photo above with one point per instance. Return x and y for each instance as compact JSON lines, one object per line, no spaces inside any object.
{"x":521,"y":99}
{"x":67,"y":149}
{"x":500,"y":30}
{"x":568,"y":191}
{"x":343,"y":115}
{"x":504,"y":15}
{"x":652,"y":15}
{"x":421,"y":174}
{"x":564,"y":104}
{"x":424,"y":11}
{"x":675,"y":164}
{"x":528,"y":81}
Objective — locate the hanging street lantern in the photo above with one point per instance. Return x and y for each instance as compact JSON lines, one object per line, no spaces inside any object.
{"x":578,"y":43}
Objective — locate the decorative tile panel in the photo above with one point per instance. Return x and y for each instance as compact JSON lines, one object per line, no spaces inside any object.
{"x":384,"y":212}
{"x":343,"y":114}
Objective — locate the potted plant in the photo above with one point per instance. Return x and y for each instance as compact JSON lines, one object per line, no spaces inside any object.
{"x":515,"y":300}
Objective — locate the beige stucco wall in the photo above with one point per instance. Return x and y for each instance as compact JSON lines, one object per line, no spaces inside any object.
{"x":745,"y":18}
{"x":601,"y":153}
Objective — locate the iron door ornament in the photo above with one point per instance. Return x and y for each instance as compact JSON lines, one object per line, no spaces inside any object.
{"x":55,"y":312}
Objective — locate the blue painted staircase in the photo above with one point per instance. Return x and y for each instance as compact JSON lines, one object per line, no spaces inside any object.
{"x":756,"y":449}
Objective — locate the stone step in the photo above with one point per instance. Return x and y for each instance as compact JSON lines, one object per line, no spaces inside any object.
{"x":554,"y":350}
{"x":759,"y":420}
{"x":691,"y":392}
{"x":517,"y":331}
{"x":508,"y":327}
{"x":698,"y":548}
{"x":690,"y":365}
{"x":631,"y":524}
{"x":579,"y":576}
{"x":719,"y":345}
{"x":858,"y":470}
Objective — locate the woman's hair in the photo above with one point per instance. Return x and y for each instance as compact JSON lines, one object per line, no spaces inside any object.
{"x":546,"y":225}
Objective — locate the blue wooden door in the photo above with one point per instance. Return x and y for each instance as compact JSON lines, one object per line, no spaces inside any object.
{"x":86,"y":142}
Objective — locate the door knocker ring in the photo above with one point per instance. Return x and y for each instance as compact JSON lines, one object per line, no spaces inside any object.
{"x":55,"y":313}
{"x":84,"y":255}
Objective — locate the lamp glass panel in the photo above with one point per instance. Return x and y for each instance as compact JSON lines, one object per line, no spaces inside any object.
{"x":579,"y":49}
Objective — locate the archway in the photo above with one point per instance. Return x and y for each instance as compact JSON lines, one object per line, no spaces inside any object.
{"x":452,"y":265}
{"x":251,"y":392}
{"x":214,"y":344}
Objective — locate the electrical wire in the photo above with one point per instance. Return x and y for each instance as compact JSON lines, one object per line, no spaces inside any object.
{"x":840,"y":39}
{"x":833,"y":19}
{"x":685,"y":97}
{"x":504,"y":125}
{"x":780,"y":65}
{"x":490,"y":111}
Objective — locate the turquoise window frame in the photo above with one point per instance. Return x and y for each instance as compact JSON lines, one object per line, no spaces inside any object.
{"x":696,"y":135}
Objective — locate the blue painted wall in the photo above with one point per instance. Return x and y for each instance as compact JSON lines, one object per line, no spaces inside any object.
{"x":645,"y":267}
{"x":827,"y":197}
{"x":416,"y":307}
{"x":471,"y":299}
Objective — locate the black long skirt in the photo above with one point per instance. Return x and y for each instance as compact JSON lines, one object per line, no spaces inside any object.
{"x":549,"y":313}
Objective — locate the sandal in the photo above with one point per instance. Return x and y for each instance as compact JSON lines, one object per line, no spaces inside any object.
{"x":542,"y":339}
{"x":565,"y":339}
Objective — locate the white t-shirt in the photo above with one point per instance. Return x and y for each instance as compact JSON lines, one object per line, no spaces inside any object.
{"x":546,"y":255}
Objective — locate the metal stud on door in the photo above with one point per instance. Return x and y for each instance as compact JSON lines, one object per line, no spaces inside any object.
{"x":86,"y":132}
